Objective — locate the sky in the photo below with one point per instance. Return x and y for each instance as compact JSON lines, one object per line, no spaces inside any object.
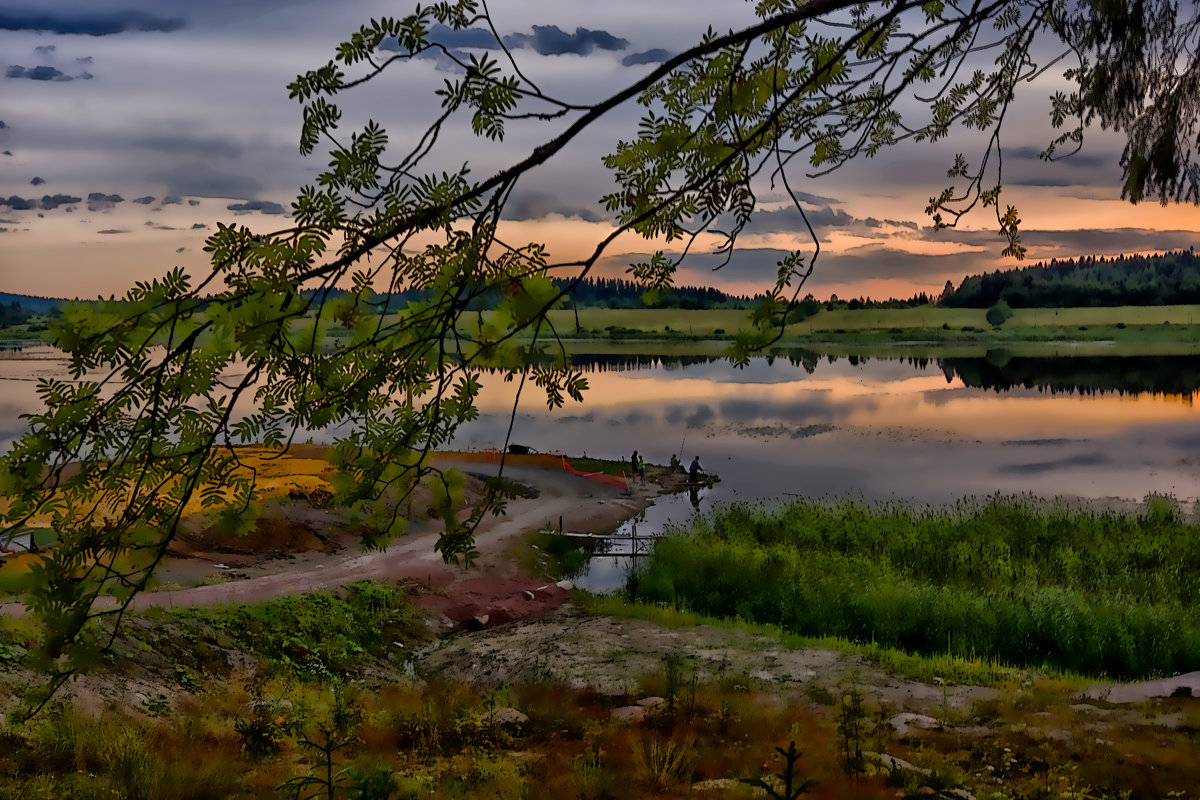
{"x":130,"y":128}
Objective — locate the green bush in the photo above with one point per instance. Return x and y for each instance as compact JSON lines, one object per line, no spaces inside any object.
{"x":999,"y":314}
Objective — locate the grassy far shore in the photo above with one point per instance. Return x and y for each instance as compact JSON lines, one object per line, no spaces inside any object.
{"x":1151,"y":326}
{"x":1149,"y":329}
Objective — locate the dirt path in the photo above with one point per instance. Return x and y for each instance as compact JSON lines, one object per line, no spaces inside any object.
{"x":582,"y":505}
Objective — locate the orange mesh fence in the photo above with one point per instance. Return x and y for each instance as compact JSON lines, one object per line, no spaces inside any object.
{"x":599,"y":477}
{"x":545,"y":461}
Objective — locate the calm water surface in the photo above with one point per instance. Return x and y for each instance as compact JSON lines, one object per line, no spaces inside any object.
{"x":920,"y":430}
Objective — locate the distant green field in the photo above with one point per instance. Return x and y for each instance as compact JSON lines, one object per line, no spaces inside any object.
{"x":933,"y":317}
{"x":706,"y":322}
{"x":598,"y":320}
{"x":1145,"y":324}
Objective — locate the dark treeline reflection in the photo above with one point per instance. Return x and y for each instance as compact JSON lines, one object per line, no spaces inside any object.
{"x":999,"y":371}
{"x":609,"y":362}
{"x":1127,"y":375}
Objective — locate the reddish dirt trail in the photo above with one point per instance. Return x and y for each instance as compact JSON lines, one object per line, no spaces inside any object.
{"x":495,"y":586}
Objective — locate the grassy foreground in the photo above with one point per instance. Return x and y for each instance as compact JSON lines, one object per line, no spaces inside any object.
{"x":315,"y":696}
{"x":1096,"y":593}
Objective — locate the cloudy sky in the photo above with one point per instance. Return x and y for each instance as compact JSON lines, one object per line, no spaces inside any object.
{"x":129,"y":128}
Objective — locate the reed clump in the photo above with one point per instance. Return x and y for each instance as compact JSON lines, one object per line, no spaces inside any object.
{"x":1014,"y":580}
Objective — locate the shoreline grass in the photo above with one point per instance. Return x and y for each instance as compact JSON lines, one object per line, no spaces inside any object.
{"x":1097,"y":593}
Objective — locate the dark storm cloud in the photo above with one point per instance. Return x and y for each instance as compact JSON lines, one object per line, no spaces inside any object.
{"x":111,"y":231}
{"x":193,"y":202}
{"x":187,"y":146}
{"x":1120,"y":240}
{"x":199,"y":226}
{"x":172,"y":201}
{"x":760,"y":266}
{"x":2,"y":125}
{"x":471,"y":37}
{"x":19,"y":203}
{"x":50,"y":202}
{"x":36,"y":73}
{"x":98,"y":201}
{"x":264,"y":206}
{"x":1024,"y":167}
{"x":37,"y":180}
{"x":144,"y":201}
{"x":45,"y":49}
{"x":546,"y":40}
{"x":655,"y":56}
{"x":821,"y":218}
{"x":536,"y":205}
{"x":198,"y":179}
{"x":1044,"y":244}
{"x":550,"y":40}
{"x":1082,"y":160}
{"x":7,"y":152}
{"x":88,"y":24}
{"x":873,"y":261}
{"x":476,"y":38}
{"x":816,"y":199}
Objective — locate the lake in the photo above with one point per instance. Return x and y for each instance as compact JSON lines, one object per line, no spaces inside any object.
{"x":922,"y":430}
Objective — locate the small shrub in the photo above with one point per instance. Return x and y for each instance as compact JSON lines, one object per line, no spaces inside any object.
{"x":999,"y":314}
{"x":666,"y":763}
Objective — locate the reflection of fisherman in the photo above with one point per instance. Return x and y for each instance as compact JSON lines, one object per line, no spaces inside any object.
{"x":694,"y":495}
{"x":641,"y":468}
{"x":695,"y":470}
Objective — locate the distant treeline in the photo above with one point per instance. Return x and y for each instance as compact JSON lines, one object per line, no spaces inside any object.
{"x":588,"y":293}
{"x":621,"y":293}
{"x":810,"y":305}
{"x":1154,"y":280}
{"x":13,"y":314}
{"x":19,"y":309}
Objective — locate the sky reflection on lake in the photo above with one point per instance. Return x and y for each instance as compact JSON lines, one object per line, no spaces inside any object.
{"x":877,"y":428}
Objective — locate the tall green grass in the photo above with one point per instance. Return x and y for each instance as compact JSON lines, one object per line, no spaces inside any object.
{"x":1011,"y":580}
